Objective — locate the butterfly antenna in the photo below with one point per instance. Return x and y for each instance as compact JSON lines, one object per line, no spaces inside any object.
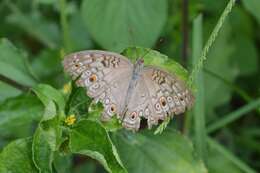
{"x":147,"y":52}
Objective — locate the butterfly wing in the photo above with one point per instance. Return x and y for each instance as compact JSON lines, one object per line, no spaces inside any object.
{"x":156,"y":96}
{"x":106,"y":76}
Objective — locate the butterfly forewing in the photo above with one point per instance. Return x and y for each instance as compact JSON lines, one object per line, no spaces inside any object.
{"x":106,"y":76}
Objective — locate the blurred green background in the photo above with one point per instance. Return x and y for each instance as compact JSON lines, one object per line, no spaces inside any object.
{"x":36,"y":34}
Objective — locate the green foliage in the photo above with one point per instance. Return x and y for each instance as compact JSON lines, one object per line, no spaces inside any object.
{"x":168,"y":152}
{"x":16,"y":157}
{"x":253,"y":7}
{"x":14,"y":65}
{"x":47,"y":124}
{"x":101,"y":149}
{"x":117,"y":24}
{"x":18,"y":113}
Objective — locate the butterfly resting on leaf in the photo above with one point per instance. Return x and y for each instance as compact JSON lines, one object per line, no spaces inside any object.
{"x":129,"y":91}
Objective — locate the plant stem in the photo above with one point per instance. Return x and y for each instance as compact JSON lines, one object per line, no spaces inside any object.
{"x":233,"y":116}
{"x":210,"y":42}
{"x":227,"y":154}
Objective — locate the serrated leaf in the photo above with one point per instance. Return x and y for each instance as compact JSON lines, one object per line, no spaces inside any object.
{"x":115,"y":23}
{"x":16,"y":157}
{"x":168,"y":152}
{"x":14,"y":65}
{"x":90,"y":138}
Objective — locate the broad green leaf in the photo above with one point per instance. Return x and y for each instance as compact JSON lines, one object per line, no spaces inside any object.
{"x":47,"y":137}
{"x":14,"y":65}
{"x":64,"y":163}
{"x":35,"y":25}
{"x":19,"y":113}
{"x":245,"y":56}
{"x":253,"y":6}
{"x":78,"y":102}
{"x":217,"y":163}
{"x":17,"y":157}
{"x":115,"y":23}
{"x":47,"y":66}
{"x":47,"y":93}
{"x":155,"y":58}
{"x":86,"y":167}
{"x":169,"y":152}
{"x":219,"y":61}
{"x":7,"y":91}
{"x":80,"y":38}
{"x":90,"y":138}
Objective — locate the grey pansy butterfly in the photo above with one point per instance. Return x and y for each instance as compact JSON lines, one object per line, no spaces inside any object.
{"x":130,"y":91}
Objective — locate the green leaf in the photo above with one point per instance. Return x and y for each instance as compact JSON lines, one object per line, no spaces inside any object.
{"x":242,"y":62}
{"x":47,"y":137}
{"x":217,"y":163}
{"x":47,"y":66}
{"x":47,"y":93}
{"x":155,"y":58}
{"x":219,"y":61}
{"x":229,"y":156}
{"x":78,"y":102}
{"x":35,"y":25}
{"x":253,"y":6}
{"x":14,"y":65}
{"x":7,"y":91}
{"x":16,"y":157}
{"x":19,"y":113}
{"x":91,"y":139}
{"x":114,"y":23}
{"x":79,"y":34}
{"x":168,"y":152}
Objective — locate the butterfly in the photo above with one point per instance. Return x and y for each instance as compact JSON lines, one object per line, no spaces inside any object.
{"x":130,"y":92}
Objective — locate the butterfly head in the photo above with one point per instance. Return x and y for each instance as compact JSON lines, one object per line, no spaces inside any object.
{"x":131,"y":121}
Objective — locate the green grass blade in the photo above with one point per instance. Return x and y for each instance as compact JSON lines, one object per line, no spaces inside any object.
{"x":227,"y":154}
{"x":232,"y":86}
{"x":233,"y":116}
{"x":210,"y":42}
{"x":198,"y":111}
{"x":64,"y":26}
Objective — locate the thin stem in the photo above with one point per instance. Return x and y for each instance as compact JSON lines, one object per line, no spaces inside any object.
{"x":234,"y":87}
{"x":210,"y":42}
{"x":228,"y":155}
{"x":14,"y":83}
{"x":231,"y":117}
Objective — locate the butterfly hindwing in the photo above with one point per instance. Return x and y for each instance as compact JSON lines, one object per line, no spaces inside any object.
{"x":163,"y":95}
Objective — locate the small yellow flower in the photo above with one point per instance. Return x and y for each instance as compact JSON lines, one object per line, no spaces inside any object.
{"x":70,"y":119}
{"x":67,"y":88}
